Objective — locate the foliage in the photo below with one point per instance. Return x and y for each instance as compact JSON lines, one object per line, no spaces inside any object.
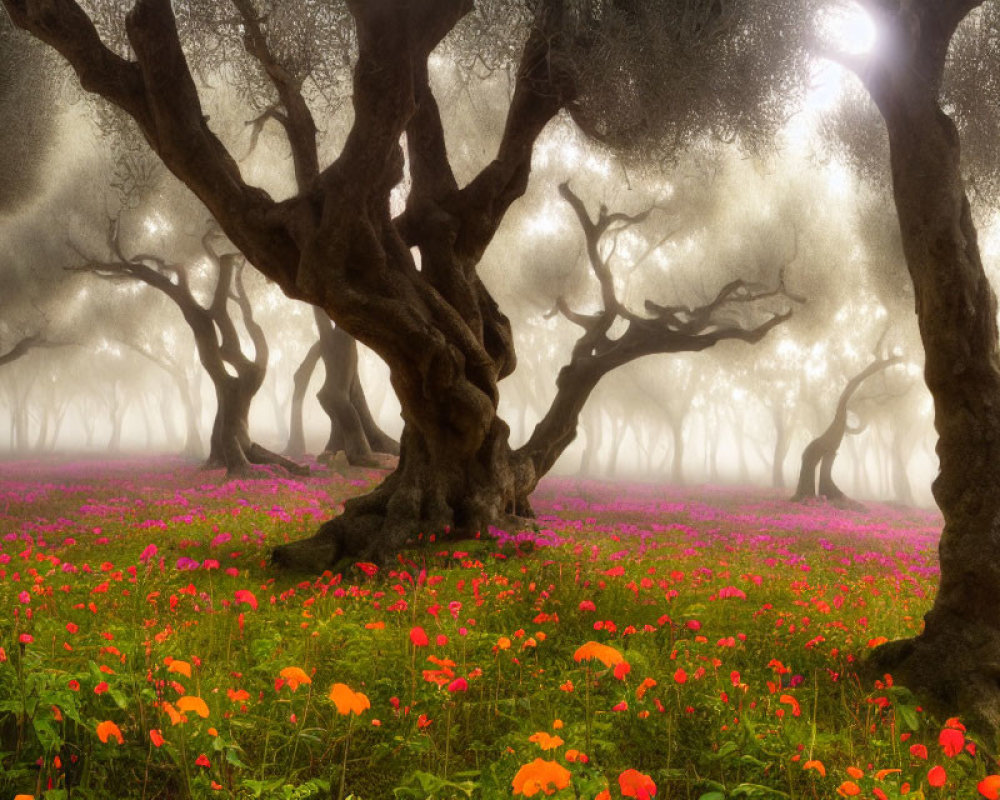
{"x":693,"y":642}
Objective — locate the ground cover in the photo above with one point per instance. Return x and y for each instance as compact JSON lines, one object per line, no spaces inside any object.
{"x":679,"y":642}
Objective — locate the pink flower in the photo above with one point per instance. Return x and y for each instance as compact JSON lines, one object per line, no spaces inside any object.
{"x":458,"y":685}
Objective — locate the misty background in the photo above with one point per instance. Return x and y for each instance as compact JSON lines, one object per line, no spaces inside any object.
{"x":114,"y":369}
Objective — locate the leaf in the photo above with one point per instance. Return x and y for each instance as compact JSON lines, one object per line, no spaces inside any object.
{"x":908,"y":716}
{"x":713,"y":795}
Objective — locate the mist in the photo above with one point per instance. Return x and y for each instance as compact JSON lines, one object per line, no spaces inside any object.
{"x":106,"y":383}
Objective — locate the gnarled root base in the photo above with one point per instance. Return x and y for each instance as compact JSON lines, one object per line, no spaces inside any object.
{"x":376,"y":526}
{"x":953,"y":671}
{"x":449,"y":499}
{"x":238,"y":458}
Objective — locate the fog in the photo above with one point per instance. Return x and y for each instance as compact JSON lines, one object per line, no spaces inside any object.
{"x":117,"y":354}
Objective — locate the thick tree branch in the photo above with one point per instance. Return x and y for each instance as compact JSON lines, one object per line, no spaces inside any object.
{"x":672,"y":329}
{"x":298,"y":122}
{"x":21,"y":348}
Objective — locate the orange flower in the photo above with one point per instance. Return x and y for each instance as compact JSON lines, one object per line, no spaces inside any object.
{"x":989,"y":787}
{"x":645,"y":686}
{"x":175,"y":716}
{"x":787,"y":699}
{"x":503,"y":643}
{"x":294,"y":677}
{"x":604,"y":794}
{"x":24,"y":797}
{"x":634,"y":784}
{"x":546,"y":741}
{"x":883,"y":773}
{"x":816,"y":765}
{"x":347,"y":700}
{"x":156,"y":737}
{"x":540,"y":776}
{"x":854,"y":772}
{"x":608,"y":656}
{"x":237,"y":695}
{"x":848,"y":789}
{"x":195,"y":704}
{"x":107,"y":729}
{"x":180,"y":667}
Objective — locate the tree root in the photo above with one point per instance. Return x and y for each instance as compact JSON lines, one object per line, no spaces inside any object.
{"x":955,"y":671}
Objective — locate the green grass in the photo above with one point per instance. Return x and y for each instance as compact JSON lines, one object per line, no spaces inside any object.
{"x":748,"y":613}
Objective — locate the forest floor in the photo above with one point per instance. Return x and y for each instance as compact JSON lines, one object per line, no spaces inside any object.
{"x":644,"y":640}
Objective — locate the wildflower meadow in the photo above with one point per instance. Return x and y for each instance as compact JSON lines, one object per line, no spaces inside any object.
{"x":638,"y":641}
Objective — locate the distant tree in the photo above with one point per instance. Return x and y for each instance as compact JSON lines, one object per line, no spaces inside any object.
{"x":822,"y":451}
{"x":640,"y":73}
{"x":235,"y":376}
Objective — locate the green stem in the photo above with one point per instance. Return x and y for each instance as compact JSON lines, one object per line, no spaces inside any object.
{"x":590,"y":749}
{"x":343,"y":766}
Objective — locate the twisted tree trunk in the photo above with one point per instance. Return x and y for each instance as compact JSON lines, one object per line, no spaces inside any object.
{"x":352,"y":427}
{"x":822,"y":450}
{"x":954,"y":663}
{"x":296,"y":446}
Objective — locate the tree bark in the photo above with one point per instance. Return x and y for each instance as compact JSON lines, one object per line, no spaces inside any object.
{"x":296,"y":447}
{"x":352,"y":427}
{"x":822,"y":451}
{"x":954,"y":664}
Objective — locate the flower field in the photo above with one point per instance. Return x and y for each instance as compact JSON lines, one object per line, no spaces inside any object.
{"x":642,"y":642}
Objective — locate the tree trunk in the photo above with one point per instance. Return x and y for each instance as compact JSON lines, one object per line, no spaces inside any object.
{"x":822,"y":451}
{"x":954,"y":663}
{"x":900,"y":453}
{"x":677,"y":465}
{"x":296,"y":446}
{"x":782,"y":443}
{"x":352,"y":428}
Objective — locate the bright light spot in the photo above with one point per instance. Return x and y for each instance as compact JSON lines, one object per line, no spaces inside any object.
{"x":546,"y":223}
{"x":848,"y":28}
{"x":155,"y":224}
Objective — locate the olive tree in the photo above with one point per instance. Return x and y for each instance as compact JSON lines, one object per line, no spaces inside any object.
{"x":404,"y":280}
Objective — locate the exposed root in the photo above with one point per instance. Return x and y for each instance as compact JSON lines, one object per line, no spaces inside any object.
{"x":238,"y":461}
{"x":261,"y":455}
{"x":955,"y":671}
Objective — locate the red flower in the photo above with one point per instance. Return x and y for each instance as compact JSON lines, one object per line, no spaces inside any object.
{"x":952,"y":741}
{"x":101,"y":688}
{"x":918,"y":751}
{"x":622,"y":668}
{"x":202,"y":761}
{"x":634,"y":784}
{"x":156,"y":737}
{"x":418,"y":636}
{"x":936,"y":776}
{"x":246,"y":596}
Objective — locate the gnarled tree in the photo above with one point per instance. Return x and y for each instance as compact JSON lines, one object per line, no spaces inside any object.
{"x":337,"y":243}
{"x":822,"y":451}
{"x":235,"y":376}
{"x":953,"y":664}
